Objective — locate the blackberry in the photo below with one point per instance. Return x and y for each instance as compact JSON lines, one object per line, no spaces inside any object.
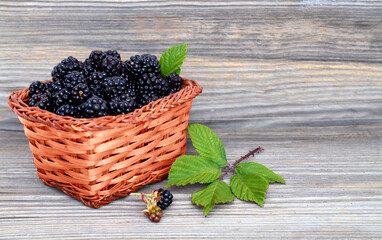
{"x":113,"y":53}
{"x":67,"y":110}
{"x":166,"y":198}
{"x":52,"y":87}
{"x":94,"y":107}
{"x":138,"y":65}
{"x":62,"y":97}
{"x":95,"y":59}
{"x":146,"y":98}
{"x":151,"y":82}
{"x":80,"y":93}
{"x":36,"y":88}
{"x":88,"y":68}
{"x":112,"y":66}
{"x":175,"y":81}
{"x":95,"y":81}
{"x":74,"y":78}
{"x":113,"y":87}
{"x":123,"y":104}
{"x":65,"y":67}
{"x":41,"y":101}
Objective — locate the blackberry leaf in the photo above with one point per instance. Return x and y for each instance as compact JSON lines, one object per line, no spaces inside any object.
{"x":207,"y":144}
{"x":249,"y":168}
{"x":249,"y":187}
{"x":189,"y":169}
{"x":216,"y":192}
{"x":172,"y":59}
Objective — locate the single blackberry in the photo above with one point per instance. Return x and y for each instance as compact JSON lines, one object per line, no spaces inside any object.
{"x":95,"y":59}
{"x":62,"y":97}
{"x":65,"y":67}
{"x":74,"y":78}
{"x":146,"y":98}
{"x":41,"y":101}
{"x":94,"y":107}
{"x":88,"y":68}
{"x":36,"y":88}
{"x":95,"y":81}
{"x":52,"y":87}
{"x":123,"y":104}
{"x":113,"y":87}
{"x":175,"y":81}
{"x":80,"y":93}
{"x":151,"y":82}
{"x":112,"y":66}
{"x":113,"y":53}
{"x":166,"y":198}
{"x":138,"y":65}
{"x":67,"y":110}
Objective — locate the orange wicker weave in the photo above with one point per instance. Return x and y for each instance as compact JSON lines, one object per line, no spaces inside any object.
{"x":97,"y":160}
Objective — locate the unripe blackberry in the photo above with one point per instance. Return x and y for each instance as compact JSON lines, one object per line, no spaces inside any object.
{"x":155,"y":214}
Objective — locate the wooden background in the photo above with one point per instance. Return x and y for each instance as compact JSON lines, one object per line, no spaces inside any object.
{"x":303,"y":79}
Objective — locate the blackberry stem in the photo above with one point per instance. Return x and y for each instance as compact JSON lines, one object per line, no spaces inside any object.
{"x":231,"y":167}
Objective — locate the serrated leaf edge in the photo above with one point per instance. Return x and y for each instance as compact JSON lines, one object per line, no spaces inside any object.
{"x":240,"y":164}
{"x":221,"y":162}
{"x":260,"y":204}
{"x":193,"y":182}
{"x":179,"y":59}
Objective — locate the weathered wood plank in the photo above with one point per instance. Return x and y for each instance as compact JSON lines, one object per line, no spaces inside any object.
{"x":303,"y":79}
{"x":333,"y":189}
{"x":271,"y":94}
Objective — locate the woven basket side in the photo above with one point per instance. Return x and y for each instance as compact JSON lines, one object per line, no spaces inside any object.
{"x":110,"y":163}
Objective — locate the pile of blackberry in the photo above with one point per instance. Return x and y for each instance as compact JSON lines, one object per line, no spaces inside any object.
{"x":103,"y":85}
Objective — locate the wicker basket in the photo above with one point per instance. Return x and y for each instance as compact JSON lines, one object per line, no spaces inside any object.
{"x":101,"y":159}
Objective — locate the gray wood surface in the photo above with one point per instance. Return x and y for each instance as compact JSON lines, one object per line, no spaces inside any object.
{"x":303,"y":79}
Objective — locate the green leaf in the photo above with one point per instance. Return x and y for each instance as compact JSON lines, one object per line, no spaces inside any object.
{"x":172,"y":59}
{"x":207,"y":144}
{"x":216,"y":192}
{"x":249,"y":187}
{"x":192,"y":169}
{"x":257,"y":168}
{"x":208,"y":208}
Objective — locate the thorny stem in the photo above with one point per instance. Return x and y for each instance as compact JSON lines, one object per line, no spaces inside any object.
{"x":229,"y":168}
{"x":143,"y":195}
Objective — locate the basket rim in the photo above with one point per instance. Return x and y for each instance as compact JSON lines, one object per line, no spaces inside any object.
{"x":17,"y":102}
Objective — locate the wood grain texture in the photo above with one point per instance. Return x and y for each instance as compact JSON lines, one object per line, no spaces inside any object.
{"x":303,"y":79}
